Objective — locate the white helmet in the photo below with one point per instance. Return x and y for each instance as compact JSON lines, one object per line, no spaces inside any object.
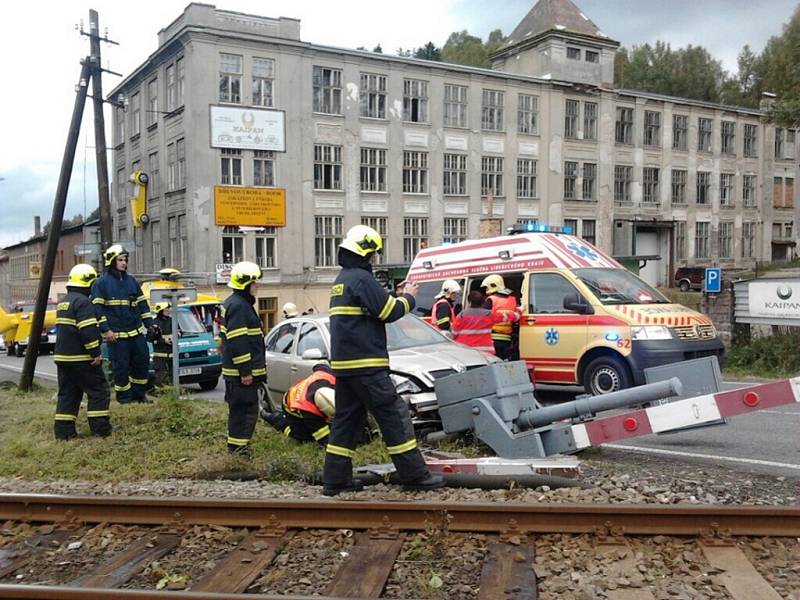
{"x":325,"y":399}
{"x":449,"y":286}
{"x":289,"y":310}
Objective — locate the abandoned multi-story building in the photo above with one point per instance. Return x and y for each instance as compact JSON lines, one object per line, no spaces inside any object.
{"x":423,"y":151}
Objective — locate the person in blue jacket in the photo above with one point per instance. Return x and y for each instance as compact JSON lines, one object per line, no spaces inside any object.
{"x":123,"y":314}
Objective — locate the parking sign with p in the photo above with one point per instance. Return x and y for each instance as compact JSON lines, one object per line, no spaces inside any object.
{"x":713,"y":282}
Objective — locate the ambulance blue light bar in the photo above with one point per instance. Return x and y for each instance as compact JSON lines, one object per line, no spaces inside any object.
{"x":536,"y":227}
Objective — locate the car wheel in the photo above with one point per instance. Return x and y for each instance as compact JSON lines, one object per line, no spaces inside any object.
{"x":19,"y":351}
{"x":266,"y":406}
{"x":684,"y":286}
{"x":209,"y":385}
{"x":606,"y":374}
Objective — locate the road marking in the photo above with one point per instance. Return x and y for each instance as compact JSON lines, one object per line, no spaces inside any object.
{"x":781,"y":412}
{"x":42,"y":374}
{"x":750,"y":461}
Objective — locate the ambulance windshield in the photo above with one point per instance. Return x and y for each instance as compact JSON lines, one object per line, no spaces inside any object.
{"x":618,"y":286}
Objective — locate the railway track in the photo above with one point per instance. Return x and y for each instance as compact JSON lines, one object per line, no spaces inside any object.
{"x":96,"y":547}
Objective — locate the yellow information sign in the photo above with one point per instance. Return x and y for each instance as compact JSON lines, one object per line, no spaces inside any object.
{"x":248,"y":206}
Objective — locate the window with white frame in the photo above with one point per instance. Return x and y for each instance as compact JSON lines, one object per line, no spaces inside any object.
{"x":652,"y":128}
{"x":266,"y":245}
{"x":680,"y":240}
{"x":373,"y":170}
{"x":455,"y":230}
{"x":379,"y":224}
{"x":455,"y":175}
{"x":263,"y":81}
{"x":702,"y":235}
{"x":184,"y":242}
{"x":155,"y":232}
{"x":415,"y":236}
{"x":180,"y":75}
{"x":230,"y":78}
{"x":650,"y":185}
{"x":789,"y":149}
{"x":121,"y":182}
{"x":590,"y":120}
{"x":119,"y":115}
{"x":623,"y":127}
{"x":172,"y":89}
{"x":588,"y":230}
{"x":136,"y":114}
{"x":327,"y":90}
{"x":748,"y":191}
{"x":623,"y":175}
{"x":571,"y":112}
{"x":172,"y":168}
{"x":570,"y":180}
{"x":327,"y":167}
{"x":180,"y":152}
{"x":725,"y":239}
{"x":492,"y":110}
{"x":372,"y":96}
{"x":264,"y":168}
{"x":726,"y":182}
{"x":327,"y":237}
{"x":748,"y":239}
{"x":230,"y":166}
{"x":679,"y":178}
{"x":152,"y":102}
{"x":492,"y":176}
{"x":680,"y":132}
{"x":415,"y":172}
{"x":527,"y":114}
{"x":750,"y":141}
{"x":703,"y":187}
{"x":232,"y":245}
{"x":728,"y":138}
{"x":415,"y":100}
{"x":455,"y":105}
{"x":172,"y":232}
{"x":154,"y":183}
{"x":705,"y":129}
{"x":589,"y":185}
{"x":526,"y":178}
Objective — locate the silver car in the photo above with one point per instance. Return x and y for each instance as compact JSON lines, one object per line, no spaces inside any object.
{"x":418,"y":355}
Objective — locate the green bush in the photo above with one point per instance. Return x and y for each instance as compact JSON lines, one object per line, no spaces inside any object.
{"x":773,"y":356}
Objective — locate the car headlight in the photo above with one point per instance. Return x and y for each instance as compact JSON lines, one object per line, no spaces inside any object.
{"x":213,"y":351}
{"x":651,"y":332}
{"x":403,"y":385}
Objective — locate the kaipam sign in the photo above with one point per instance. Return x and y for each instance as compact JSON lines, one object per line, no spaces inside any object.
{"x":254,"y":207}
{"x":774,"y":299}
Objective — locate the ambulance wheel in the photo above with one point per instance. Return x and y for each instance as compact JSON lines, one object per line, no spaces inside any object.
{"x":209,"y":384}
{"x":605,"y":374}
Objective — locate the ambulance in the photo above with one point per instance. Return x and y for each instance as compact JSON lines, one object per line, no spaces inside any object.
{"x":586,"y":320}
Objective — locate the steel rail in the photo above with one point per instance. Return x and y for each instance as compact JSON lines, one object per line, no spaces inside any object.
{"x":629,"y":519}
{"x":52,"y":592}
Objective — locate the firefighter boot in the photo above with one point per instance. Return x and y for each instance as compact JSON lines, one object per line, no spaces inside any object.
{"x":429,"y":482}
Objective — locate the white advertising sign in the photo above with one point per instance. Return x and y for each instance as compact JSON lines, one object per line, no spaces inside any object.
{"x":223,"y":272}
{"x":774,"y":299}
{"x":248,"y":128}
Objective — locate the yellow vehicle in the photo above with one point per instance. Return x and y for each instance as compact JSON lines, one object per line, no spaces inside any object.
{"x":15,"y":327}
{"x":586,"y":320}
{"x":206,"y":307}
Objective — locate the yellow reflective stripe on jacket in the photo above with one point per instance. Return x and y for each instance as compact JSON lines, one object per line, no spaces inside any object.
{"x":404,"y":447}
{"x":359,"y":363}
{"x":238,"y":441}
{"x":340,"y":451}
{"x":90,"y":345}
{"x":257,"y":372}
{"x":254,"y":331}
{"x":355,"y":311}
{"x":140,"y":298}
{"x":321,"y":433}
{"x":66,"y":417}
{"x":162,"y":354}
{"x":236,"y":333}
{"x":130,"y":334}
{"x":404,"y":300}
{"x":71,"y":357}
{"x":98,"y":413}
{"x":443,"y":320}
{"x":148,"y":315}
{"x":86,"y":323}
{"x":387,"y":308}
{"x":242,"y":358}
{"x":501,"y":337}
{"x":98,"y":301}
{"x":65,"y":321}
{"x":230,"y":372}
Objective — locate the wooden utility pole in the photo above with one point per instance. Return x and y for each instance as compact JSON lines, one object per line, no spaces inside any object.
{"x":32,"y":353}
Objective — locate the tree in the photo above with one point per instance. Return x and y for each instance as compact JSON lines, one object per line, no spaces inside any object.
{"x":464,"y":49}
{"x":778,"y":71}
{"x":428,"y":52}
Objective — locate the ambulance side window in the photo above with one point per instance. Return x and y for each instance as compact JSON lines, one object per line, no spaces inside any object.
{"x":426,"y":296}
{"x":547,"y":291}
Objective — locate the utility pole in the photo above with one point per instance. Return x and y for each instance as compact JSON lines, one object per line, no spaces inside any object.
{"x":106,"y":235}
{"x":32,"y":353}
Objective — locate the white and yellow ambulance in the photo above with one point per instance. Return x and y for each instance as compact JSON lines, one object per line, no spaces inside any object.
{"x":586,"y":320}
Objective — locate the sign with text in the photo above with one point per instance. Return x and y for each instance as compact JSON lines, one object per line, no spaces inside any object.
{"x":223,"y":272}
{"x":256,"y":207}
{"x":247,"y":128}
{"x":774,"y":299}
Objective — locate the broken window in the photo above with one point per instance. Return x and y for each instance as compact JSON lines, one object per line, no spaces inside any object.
{"x":415,"y":100}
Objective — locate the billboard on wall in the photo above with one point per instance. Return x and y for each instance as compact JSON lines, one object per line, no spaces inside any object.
{"x":774,"y":299}
{"x":249,"y":206}
{"x":248,"y":128}
{"x":223,"y":271}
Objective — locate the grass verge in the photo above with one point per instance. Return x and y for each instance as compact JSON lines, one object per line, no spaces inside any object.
{"x":175,"y":437}
{"x":772,"y":356}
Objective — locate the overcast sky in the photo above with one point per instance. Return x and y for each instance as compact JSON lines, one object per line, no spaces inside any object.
{"x":36,"y":107}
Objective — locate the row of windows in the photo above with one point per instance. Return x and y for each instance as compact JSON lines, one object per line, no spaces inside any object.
{"x":724,"y":239}
{"x":175,"y":77}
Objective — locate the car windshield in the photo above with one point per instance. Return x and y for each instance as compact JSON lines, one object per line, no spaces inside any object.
{"x":619,"y":286}
{"x":188,"y":323}
{"x":410,"y":332}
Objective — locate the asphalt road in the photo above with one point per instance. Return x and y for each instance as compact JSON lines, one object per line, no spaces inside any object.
{"x":765,"y":442}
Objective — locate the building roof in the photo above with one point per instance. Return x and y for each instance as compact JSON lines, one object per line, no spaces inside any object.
{"x":42,"y":237}
{"x":553,"y":15}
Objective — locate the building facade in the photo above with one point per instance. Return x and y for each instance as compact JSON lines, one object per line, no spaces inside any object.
{"x":424,"y":151}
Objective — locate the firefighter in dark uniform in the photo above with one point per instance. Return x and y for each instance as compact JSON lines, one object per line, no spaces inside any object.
{"x":443,"y":313}
{"x":123,"y":315}
{"x":78,"y":360}
{"x":162,"y":345}
{"x":359,"y":309}
{"x":308,"y":407}
{"x":243,"y":358}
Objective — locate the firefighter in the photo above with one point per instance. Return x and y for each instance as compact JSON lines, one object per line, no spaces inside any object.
{"x":503,"y":305}
{"x":308,"y":407}
{"x":473,"y":326}
{"x":162,"y":345}
{"x":359,"y":309}
{"x":123,"y":314}
{"x":78,"y":359}
{"x":444,"y":310}
{"x":243,"y":358}
{"x":289,"y":310}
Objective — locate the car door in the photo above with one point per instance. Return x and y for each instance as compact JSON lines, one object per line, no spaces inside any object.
{"x":279,"y":355}
{"x":309,"y":339}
